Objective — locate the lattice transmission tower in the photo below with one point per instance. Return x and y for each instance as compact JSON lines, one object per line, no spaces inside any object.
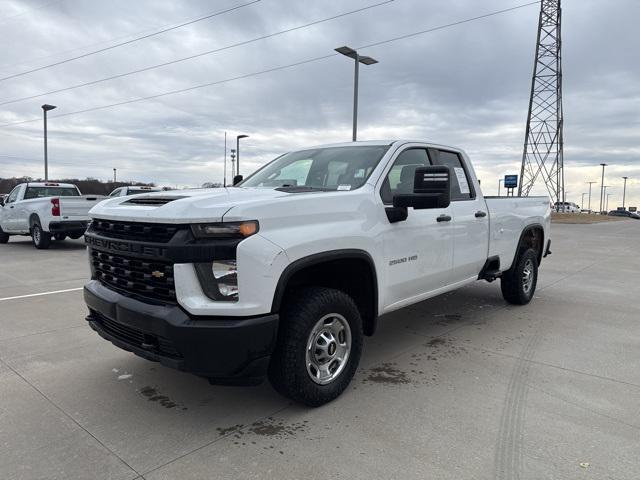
{"x":542,"y":159}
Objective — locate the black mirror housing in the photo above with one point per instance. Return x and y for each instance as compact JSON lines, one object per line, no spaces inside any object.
{"x":431,"y":189}
{"x":237,"y":179}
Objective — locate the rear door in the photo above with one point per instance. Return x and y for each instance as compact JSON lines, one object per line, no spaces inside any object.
{"x":418,"y":252}
{"x":470,"y":216}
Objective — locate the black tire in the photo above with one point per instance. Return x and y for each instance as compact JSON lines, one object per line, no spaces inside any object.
{"x":513,"y":283}
{"x":41,"y":240}
{"x":75,"y":236}
{"x":299,"y":318}
{"x":4,"y":237}
{"x":59,"y":236}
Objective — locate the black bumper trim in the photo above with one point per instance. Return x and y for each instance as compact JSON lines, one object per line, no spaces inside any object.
{"x":72,"y":226}
{"x":227,"y":348}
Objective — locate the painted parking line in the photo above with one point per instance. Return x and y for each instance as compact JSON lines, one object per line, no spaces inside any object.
{"x":39,"y":294}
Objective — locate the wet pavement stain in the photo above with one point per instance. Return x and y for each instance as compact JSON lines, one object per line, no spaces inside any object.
{"x":387,"y":373}
{"x":154,"y":396}
{"x":227,"y":430}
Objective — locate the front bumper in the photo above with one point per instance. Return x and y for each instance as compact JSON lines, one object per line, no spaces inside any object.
{"x":71,"y":227}
{"x":225,"y":350}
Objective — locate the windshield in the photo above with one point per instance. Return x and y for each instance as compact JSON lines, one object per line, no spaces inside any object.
{"x":133,"y":191}
{"x":41,"y":192}
{"x":331,"y":168}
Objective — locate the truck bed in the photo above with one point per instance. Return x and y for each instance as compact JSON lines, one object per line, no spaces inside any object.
{"x":507,"y":218}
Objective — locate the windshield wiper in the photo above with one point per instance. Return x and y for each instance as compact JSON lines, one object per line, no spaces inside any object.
{"x":302,"y":188}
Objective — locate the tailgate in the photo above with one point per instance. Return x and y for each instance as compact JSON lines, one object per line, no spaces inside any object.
{"x":77,"y":208}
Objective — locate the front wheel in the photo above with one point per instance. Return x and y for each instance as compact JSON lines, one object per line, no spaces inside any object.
{"x":318,"y":348}
{"x":518,"y":284}
{"x":41,"y":240}
{"x":4,"y":237}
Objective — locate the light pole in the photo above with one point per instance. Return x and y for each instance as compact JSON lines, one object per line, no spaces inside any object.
{"x":590,"y":195}
{"x":624,"y":191}
{"x":233,"y":161}
{"x":351,"y":53}
{"x":602,"y":187}
{"x":607,"y":204}
{"x":582,"y":201}
{"x":45,"y":109}
{"x":238,"y":152}
{"x":604,"y":197}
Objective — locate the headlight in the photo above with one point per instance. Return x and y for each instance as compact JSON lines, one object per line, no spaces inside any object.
{"x":225,"y":230}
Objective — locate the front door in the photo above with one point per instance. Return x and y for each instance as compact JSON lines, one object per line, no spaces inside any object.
{"x":418,"y":252}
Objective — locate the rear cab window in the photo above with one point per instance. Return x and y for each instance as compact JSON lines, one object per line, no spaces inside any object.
{"x":461,"y":185}
{"x":43,"y":192}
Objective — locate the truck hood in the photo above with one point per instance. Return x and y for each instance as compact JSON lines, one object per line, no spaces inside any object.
{"x":183,"y":206}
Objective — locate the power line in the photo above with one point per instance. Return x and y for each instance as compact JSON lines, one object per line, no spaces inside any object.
{"x":143,"y":37}
{"x":273,"y":69}
{"x":24,"y":12}
{"x":191,"y":57}
{"x":94,"y":44}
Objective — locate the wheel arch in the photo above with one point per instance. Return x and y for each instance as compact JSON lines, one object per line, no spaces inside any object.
{"x":33,"y":218}
{"x":319,"y":270}
{"x":531,"y":237}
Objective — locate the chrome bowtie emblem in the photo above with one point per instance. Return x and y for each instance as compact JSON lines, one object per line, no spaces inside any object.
{"x":157,"y":274}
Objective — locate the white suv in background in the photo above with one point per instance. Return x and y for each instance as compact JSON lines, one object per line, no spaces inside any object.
{"x":566,"y":207}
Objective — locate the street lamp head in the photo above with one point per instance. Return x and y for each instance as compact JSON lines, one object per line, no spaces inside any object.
{"x":349,"y":52}
{"x":367,"y":60}
{"x":46,"y":107}
{"x":242,"y":136}
{"x":603,"y":164}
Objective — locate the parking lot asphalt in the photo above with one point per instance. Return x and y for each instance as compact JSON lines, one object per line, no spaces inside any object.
{"x":459,"y":386}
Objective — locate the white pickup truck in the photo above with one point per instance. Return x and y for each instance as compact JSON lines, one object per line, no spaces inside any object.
{"x":45,"y":210}
{"x":283,"y":274}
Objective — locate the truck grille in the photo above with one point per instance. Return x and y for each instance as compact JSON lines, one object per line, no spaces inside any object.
{"x":137,"y":338}
{"x":149,"y":279}
{"x":147,"y":232}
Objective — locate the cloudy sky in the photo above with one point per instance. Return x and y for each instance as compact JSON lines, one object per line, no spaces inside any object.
{"x":467,"y":85}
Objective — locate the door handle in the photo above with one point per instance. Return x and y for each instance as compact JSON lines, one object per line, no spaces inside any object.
{"x":444,"y":218}
{"x":480,"y":214}
{"x":11,"y":206}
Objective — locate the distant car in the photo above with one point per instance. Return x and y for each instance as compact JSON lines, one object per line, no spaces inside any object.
{"x":134,"y":190}
{"x":624,"y":213}
{"x":566,"y":207}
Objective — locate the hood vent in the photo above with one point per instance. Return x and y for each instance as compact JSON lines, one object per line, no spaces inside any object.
{"x":155,"y":201}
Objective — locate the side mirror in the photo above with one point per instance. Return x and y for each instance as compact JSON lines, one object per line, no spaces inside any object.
{"x":431,"y":189}
{"x":237,"y":179}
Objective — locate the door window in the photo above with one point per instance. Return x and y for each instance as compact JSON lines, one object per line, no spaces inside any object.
{"x":400,"y":177}
{"x":461,"y":188}
{"x":13,"y":195}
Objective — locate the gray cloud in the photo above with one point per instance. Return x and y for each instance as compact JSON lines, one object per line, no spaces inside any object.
{"x":467,"y":85}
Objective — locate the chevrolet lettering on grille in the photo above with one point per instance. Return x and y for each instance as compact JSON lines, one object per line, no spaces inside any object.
{"x":124,"y":247}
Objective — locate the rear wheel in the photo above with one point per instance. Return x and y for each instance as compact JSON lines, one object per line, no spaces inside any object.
{"x":319,"y":346}
{"x":59,"y":236}
{"x":518,"y":284}
{"x":4,"y":237}
{"x":41,"y":240}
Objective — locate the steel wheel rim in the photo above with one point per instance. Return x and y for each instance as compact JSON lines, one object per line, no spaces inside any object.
{"x":36,"y":234}
{"x":527,"y":276}
{"x":328,"y":348}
